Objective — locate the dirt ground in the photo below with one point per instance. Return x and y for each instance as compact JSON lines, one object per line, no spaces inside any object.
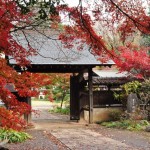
{"x":56,"y":132}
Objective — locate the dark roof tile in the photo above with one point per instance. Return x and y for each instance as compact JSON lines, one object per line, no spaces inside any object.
{"x":51,"y":51}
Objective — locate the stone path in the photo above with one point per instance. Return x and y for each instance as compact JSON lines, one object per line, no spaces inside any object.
{"x":81,"y":136}
{"x":57,"y":132}
{"x":85,"y":139}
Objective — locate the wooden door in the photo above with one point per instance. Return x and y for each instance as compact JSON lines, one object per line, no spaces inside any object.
{"x":74,"y":98}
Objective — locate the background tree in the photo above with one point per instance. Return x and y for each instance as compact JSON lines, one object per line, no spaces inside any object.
{"x":59,"y":88}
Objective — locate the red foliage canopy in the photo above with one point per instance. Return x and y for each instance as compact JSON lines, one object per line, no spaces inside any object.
{"x":124,"y":16}
{"x":26,"y":83}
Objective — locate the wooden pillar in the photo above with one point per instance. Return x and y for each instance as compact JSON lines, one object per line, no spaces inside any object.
{"x":28,"y":117}
{"x":90,"y":87}
{"x":74,"y":98}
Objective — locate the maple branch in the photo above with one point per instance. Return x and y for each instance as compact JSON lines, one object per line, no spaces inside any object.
{"x":46,"y":56}
{"x":44,"y":34}
{"x":4,"y":14}
{"x":91,"y":35}
{"x":33,"y":24}
{"x":128,"y":16}
{"x":57,"y":59}
{"x":26,"y":37}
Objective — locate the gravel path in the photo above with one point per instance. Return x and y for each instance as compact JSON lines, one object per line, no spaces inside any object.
{"x":139,"y":140}
{"x":56,"y":132}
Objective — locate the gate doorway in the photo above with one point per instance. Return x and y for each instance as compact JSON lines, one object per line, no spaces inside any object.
{"x":43,"y":114}
{"x":53,"y":57}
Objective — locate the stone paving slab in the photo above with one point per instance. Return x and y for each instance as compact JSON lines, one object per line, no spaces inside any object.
{"x":84,"y":139}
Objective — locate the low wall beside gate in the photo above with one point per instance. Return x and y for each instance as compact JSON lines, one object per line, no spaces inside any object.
{"x":104,"y":104}
{"x":102,"y":114}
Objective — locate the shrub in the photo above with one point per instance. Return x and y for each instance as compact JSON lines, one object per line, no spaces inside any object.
{"x":132,"y":125}
{"x":132,"y":87}
{"x":145,"y":96}
{"x":60,"y":110}
{"x":13,"y":136}
{"x":142,"y":89}
{"x":115,"y":115}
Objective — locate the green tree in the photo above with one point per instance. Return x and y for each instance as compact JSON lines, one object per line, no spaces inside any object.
{"x":59,"y":88}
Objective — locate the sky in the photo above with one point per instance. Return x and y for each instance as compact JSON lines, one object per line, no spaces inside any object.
{"x":72,"y":2}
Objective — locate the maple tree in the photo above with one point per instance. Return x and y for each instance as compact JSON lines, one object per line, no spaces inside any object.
{"x":123,"y":16}
{"x":26,"y":84}
{"x":59,"y":87}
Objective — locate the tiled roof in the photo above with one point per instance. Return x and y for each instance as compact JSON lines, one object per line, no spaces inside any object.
{"x":51,"y":51}
{"x":110,"y":77}
{"x":111,"y":74}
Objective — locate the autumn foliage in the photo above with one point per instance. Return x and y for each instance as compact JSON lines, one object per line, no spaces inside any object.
{"x":125,"y":17}
{"x":26,"y":84}
{"x":134,"y":61}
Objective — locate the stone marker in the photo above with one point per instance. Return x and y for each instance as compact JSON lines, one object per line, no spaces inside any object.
{"x":132,"y":103}
{"x":147,"y":129}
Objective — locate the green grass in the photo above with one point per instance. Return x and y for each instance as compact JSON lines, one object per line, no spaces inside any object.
{"x":132,"y":125}
{"x":59,"y":110}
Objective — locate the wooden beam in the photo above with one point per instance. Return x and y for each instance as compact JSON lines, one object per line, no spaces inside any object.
{"x":90,"y":86}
